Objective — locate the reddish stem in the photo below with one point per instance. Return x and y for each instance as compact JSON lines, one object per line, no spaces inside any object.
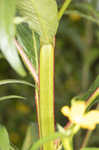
{"x":26,"y":61}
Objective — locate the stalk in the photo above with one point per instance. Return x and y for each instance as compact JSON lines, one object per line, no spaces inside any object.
{"x":26,"y":61}
{"x":63,"y":8}
{"x":46,"y":79}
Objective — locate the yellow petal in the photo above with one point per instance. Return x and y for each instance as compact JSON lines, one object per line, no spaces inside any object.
{"x":90,"y":120}
{"x":66,"y":111}
{"x":77,"y":111}
{"x":78,"y":108}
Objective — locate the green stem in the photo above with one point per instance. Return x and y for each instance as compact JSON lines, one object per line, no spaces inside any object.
{"x":46,"y":94}
{"x":63,"y":8}
{"x":67,"y":143}
{"x":85,"y":141}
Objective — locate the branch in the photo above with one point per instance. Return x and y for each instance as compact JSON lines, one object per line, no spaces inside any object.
{"x":63,"y":8}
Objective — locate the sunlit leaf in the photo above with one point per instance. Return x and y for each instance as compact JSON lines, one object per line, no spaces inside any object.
{"x":41,"y":17}
{"x":7,"y":33}
{"x":4,"y":139}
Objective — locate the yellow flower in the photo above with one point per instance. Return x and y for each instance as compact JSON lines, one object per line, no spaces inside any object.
{"x":77,"y":115}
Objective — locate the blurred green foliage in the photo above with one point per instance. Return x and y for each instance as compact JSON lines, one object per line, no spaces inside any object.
{"x":76,"y":67}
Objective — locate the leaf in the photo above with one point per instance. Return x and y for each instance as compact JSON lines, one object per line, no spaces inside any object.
{"x":92,"y":89}
{"x":91,"y":96}
{"x":11,"y":97}
{"x":26,"y":39}
{"x":11,"y":81}
{"x":51,"y":137}
{"x":93,"y":55}
{"x":7,"y":33}
{"x":4,"y":139}
{"x":90,"y":148}
{"x":62,"y":133}
{"x":31,"y":136}
{"x":92,"y":93}
{"x":41,"y":17}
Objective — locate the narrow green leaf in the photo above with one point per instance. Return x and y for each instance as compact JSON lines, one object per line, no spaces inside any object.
{"x":7,"y":33}
{"x":41,"y":17}
{"x":12,"y":81}
{"x":31,"y":136}
{"x":4,"y":139}
{"x":92,"y":94}
{"x":51,"y":137}
{"x":92,"y":89}
{"x":93,"y":55}
{"x":90,"y":148}
{"x":11,"y":97}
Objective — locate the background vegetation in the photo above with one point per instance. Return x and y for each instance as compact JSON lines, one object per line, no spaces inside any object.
{"x":76,"y":67}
